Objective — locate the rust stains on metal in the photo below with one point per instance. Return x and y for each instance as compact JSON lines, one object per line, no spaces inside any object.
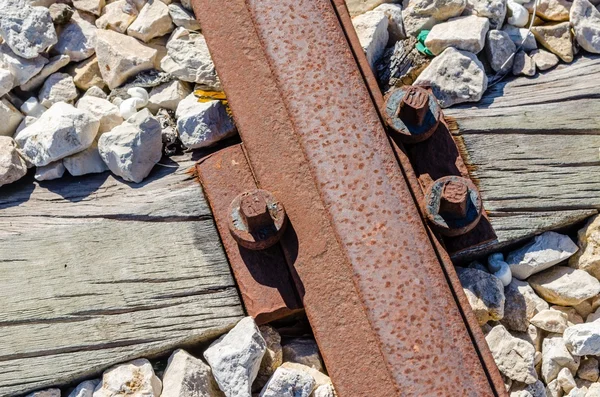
{"x":256,"y":219}
{"x":265,"y":282}
{"x":412,"y":113}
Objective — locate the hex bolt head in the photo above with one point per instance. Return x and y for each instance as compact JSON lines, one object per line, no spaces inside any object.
{"x":454,"y":199}
{"x":256,"y":219}
{"x":414,"y":105}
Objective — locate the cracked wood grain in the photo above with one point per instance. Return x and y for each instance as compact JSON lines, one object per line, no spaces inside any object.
{"x":95,"y":271}
{"x":533,"y":147}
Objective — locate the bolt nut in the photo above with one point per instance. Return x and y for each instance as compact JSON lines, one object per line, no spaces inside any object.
{"x":453,"y":205}
{"x":256,"y":219}
{"x":412,"y":112}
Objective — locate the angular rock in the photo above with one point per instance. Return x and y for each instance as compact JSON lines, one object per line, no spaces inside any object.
{"x":514,"y":357}
{"x":12,"y":166}
{"x":272,"y":359}
{"x":583,"y":339}
{"x":551,"y":321}
{"x":588,"y":369}
{"x":10,"y":116}
{"x":92,"y":6}
{"x":235,"y":358}
{"x":463,"y":33}
{"x":121,"y":57}
{"x":579,"y":392}
{"x":325,"y":391}
{"x":202,"y":124}
{"x":54,"y":64}
{"x":494,"y":10}
{"x":134,"y":379}
{"x":60,"y":13}
{"x":188,"y":376}
{"x":96,"y":92}
{"x":572,"y":315}
{"x":87,"y":74}
{"x":441,"y":74}
{"x":536,"y":389}
{"x":61,"y":131}
{"x":546,"y":250}
{"x":372,"y":31}
{"x":49,"y":172}
{"x":118,"y":16}
{"x":499,"y":50}
{"x":424,"y":14}
{"x":45,"y":393}
{"x":543,"y":59}
{"x":588,"y":256}
{"x":27,"y":30}
{"x":553,"y":389}
{"x":303,"y":351}
{"x":565,"y":286}
{"x":87,"y":161}
{"x":7,"y":81}
{"x":519,"y":16}
{"x":555,"y":356}
{"x":565,"y":380}
{"x":131,"y":149}
{"x":153,"y":21}
{"x":33,"y":108}
{"x":59,"y":87}
{"x":553,"y":10}
{"x":22,"y":69}
{"x":168,"y":95}
{"x":523,"y":65}
{"x":103,"y":110}
{"x":357,"y":7}
{"x":395,"y":24}
{"x":593,"y":390}
{"x":556,"y":38}
{"x":77,"y":39}
{"x":586,"y":24}
{"x":85,"y":389}
{"x":182,"y":17}
{"x":319,"y":377}
{"x":288,"y":383}
{"x":593,"y":316}
{"x":533,"y":336}
{"x":485,"y":293}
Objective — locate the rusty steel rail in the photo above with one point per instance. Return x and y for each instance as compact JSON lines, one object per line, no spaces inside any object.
{"x":381,"y":298}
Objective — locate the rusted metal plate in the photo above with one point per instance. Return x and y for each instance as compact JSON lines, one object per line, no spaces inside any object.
{"x":263,"y":277}
{"x":315,"y":140}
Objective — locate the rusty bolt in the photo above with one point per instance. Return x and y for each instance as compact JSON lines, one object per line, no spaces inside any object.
{"x":414,"y":105}
{"x":256,"y":219}
{"x":412,"y":112}
{"x":453,"y":205}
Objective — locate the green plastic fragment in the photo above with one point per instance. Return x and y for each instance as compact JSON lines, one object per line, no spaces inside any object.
{"x":421,"y":47}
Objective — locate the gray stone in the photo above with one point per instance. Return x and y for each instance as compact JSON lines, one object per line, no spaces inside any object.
{"x":87,"y":161}
{"x":519,"y":15}
{"x":60,"y":13}
{"x":303,"y":351}
{"x":588,"y":256}
{"x":564,"y":286}
{"x":188,"y":59}
{"x":49,"y":172}
{"x":536,"y":389}
{"x":61,"y":131}
{"x":545,"y":251}
{"x":235,"y":358}
{"x":288,"y":383}
{"x":59,"y":87}
{"x":586,"y":23}
{"x":153,"y":21}
{"x":27,"y":30}
{"x":583,"y":339}
{"x":7,"y":81}
{"x":121,"y":57}
{"x":499,"y":50}
{"x":514,"y":357}
{"x":22,"y":69}
{"x":182,"y":17}
{"x":325,"y":391}
{"x":168,"y":95}
{"x":551,"y":321}
{"x":485,"y":293}
{"x":556,"y":356}
{"x":588,"y":369}
{"x":357,"y":7}
{"x":543,"y":59}
{"x":395,"y":23}
{"x":494,"y":10}
{"x":202,"y":124}
{"x":54,"y":64}
{"x":424,"y":14}
{"x":319,"y":377}
{"x":133,"y":379}
{"x":91,"y":6}
{"x":523,"y":65}
{"x":463,"y":33}
{"x":553,"y":389}
{"x":133,"y":148}
{"x":12,"y":166}
{"x":372,"y":31}
{"x":188,"y":376}
{"x":85,"y":389}
{"x":521,"y":36}
{"x":10,"y":116}
{"x":272,"y":359}
{"x":103,"y":110}
{"x":77,"y":39}
{"x":565,"y":380}
{"x":441,"y":74}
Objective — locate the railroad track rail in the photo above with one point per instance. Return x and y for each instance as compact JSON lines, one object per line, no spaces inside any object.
{"x":376,"y":281}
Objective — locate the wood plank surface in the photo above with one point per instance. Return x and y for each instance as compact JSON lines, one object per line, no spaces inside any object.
{"x":95,"y":271}
{"x":533,"y":147}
